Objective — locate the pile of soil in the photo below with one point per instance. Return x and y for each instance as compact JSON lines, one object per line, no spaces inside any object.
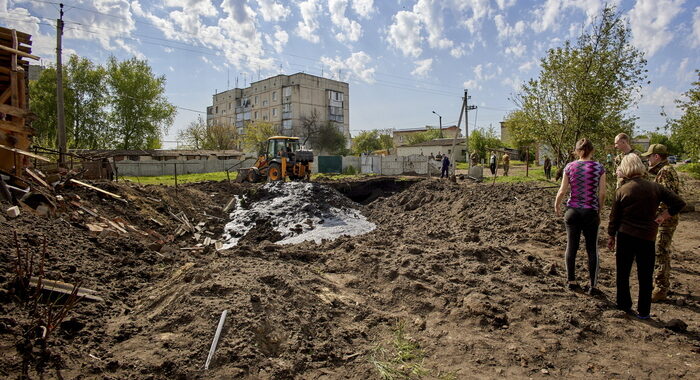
{"x":463,"y":280}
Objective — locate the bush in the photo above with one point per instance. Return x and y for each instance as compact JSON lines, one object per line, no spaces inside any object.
{"x":693,"y":169}
{"x":350,"y":170}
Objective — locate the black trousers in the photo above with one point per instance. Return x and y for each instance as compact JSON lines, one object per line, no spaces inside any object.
{"x":444,"y":172}
{"x":493,"y":169}
{"x":629,"y":249}
{"x":580,"y":220}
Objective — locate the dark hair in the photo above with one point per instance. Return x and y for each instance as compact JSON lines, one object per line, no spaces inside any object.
{"x":585,"y":146}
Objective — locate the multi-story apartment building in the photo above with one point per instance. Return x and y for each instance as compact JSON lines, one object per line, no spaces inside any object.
{"x":286,"y":101}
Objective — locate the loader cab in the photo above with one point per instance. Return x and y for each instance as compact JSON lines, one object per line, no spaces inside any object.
{"x":281,"y":146}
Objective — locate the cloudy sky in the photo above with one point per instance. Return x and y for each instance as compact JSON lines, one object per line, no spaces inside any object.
{"x":403,"y":59}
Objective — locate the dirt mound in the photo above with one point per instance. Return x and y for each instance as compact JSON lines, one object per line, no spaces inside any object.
{"x":456,"y":281}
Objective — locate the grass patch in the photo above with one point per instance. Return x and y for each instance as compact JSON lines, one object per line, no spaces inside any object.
{"x":692,"y":169}
{"x":403,"y":358}
{"x":534,"y":174}
{"x":338,"y":177}
{"x":169,"y":180}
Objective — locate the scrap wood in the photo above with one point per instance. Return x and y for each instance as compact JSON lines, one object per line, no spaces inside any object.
{"x":191,"y":248}
{"x":65,"y":288}
{"x":156,"y":222}
{"x":36,"y":177}
{"x":229,"y":204}
{"x":24,"y":152}
{"x":115,"y":196}
{"x":78,"y":205}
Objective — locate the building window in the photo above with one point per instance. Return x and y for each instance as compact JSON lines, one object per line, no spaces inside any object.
{"x":264,"y":103}
{"x":274,"y":112}
{"x":274,"y":95}
{"x":256,"y":100}
{"x":286,"y":124}
{"x":256,"y":115}
{"x":287,"y":91}
{"x":217,"y":109}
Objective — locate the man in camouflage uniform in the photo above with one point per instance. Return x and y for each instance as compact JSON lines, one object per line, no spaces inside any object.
{"x":622,"y":143}
{"x":664,"y":174}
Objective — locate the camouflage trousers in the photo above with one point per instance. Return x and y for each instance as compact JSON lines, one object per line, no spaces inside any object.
{"x":505,"y":169}
{"x":662,"y":270}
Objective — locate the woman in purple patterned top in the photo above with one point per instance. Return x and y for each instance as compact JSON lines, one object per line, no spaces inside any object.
{"x":584,"y":179}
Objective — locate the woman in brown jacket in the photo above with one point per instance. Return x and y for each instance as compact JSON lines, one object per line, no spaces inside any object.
{"x":633,"y":223}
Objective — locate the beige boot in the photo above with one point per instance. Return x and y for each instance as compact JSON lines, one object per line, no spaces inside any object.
{"x":659,"y":295}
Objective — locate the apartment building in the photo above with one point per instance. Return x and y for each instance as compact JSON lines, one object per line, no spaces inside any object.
{"x":285,"y":101}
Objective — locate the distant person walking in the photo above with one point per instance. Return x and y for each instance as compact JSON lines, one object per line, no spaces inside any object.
{"x":548,"y":168}
{"x":665,"y":175}
{"x":445,"y":167}
{"x":492,"y":163}
{"x":584,"y":179}
{"x":633,"y":226}
{"x":506,"y":163}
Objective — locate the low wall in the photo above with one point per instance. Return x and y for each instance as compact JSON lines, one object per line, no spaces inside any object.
{"x":157,"y":168}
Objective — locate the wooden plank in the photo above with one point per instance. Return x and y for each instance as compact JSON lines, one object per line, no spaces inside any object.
{"x":14,"y":111}
{"x":37,"y":178}
{"x":24,"y":152}
{"x":5,"y":95}
{"x":65,"y":288}
{"x":96,"y":189}
{"x":15,"y":126}
{"x":19,"y":52}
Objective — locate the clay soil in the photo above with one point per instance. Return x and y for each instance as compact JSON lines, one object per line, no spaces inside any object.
{"x":458,"y":281}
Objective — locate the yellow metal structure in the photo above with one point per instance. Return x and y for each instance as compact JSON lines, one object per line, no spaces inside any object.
{"x":284,"y":158}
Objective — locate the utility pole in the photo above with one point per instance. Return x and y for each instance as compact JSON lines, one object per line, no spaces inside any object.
{"x":59,"y":93}
{"x":467,"y":107}
{"x":440,"y":118}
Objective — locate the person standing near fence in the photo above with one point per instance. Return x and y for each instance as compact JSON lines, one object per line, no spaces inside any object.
{"x":445,"y":167}
{"x":493,"y":160}
{"x":548,"y":168}
{"x":506,"y":163}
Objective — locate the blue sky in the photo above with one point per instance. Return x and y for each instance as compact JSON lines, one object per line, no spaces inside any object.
{"x":403,"y":59}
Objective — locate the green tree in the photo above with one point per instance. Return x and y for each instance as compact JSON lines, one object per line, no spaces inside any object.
{"x":141,"y":113}
{"x":585,"y":88}
{"x":329,"y":139}
{"x":256,"y":135}
{"x":195,"y":134}
{"x":417,"y":138}
{"x":42,"y":102}
{"x":482,"y":140}
{"x":85,"y":106}
{"x":366,"y":142}
{"x":687,"y":127}
{"x":672,"y":146}
{"x":385,"y":140}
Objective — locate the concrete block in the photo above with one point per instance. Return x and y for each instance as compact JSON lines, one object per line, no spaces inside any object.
{"x":12,"y":212}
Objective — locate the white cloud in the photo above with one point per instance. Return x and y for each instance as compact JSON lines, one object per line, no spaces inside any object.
{"x":471,"y":85}
{"x":513,"y":82}
{"x":661,"y":97}
{"x":503,"y":4}
{"x":198,"y":7}
{"x":479,"y":9}
{"x":350,"y":30}
{"x":404,"y":33}
{"x":506,"y":31}
{"x":364,"y":8}
{"x":458,"y":51}
{"x":306,"y":28}
{"x":278,"y":40}
{"x":547,"y":16}
{"x":684,"y":75}
{"x":357,"y":65}
{"x":696,"y":27}
{"x":487,"y":71}
{"x":649,"y":20}
{"x":423,"y":67}
{"x":430,"y":13}
{"x":527,"y":66}
{"x":272,"y":10}
{"x":517,"y":50}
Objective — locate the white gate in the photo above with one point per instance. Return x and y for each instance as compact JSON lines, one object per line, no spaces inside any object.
{"x":371,"y":164}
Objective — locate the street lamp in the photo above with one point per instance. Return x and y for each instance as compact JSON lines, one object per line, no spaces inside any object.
{"x":440,"y":122}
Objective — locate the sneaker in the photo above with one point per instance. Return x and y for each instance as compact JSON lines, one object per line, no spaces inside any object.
{"x":574,"y":287}
{"x":658,"y":296}
{"x":643,"y":317}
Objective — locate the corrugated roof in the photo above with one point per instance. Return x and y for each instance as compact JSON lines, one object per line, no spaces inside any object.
{"x":436,"y":142}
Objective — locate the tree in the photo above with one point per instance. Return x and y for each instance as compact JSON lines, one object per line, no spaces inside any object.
{"x":584,"y":89}
{"x":256,"y":135}
{"x":386,"y":142}
{"x":86,"y":113}
{"x":687,"y":128}
{"x":329,"y":139}
{"x":672,"y":146}
{"x":417,"y":138}
{"x":481,"y":140}
{"x":85,"y":101}
{"x":221,"y":137}
{"x":195,"y":135}
{"x":141,"y":113}
{"x":366,"y":142}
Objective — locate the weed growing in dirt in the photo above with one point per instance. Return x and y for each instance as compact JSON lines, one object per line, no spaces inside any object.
{"x":403,"y":358}
{"x":693,"y":169}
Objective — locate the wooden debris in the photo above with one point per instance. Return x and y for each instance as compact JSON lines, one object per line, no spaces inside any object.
{"x":192,"y":248}
{"x":90,"y":212}
{"x":156,"y":222}
{"x":230,"y":204}
{"x":24,"y":152}
{"x":95,"y":228}
{"x":37,"y":178}
{"x":65,"y":288}
{"x":115,"y":196}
